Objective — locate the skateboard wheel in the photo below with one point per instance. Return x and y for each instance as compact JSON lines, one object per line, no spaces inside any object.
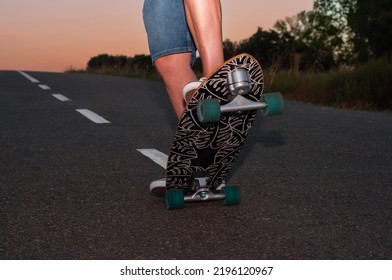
{"x":174,"y":199}
{"x":232,"y":195}
{"x":275,"y":104}
{"x":208,"y":110}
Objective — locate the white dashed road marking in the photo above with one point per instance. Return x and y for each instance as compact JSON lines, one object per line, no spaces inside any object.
{"x":61,"y":97}
{"x":92,"y":116}
{"x":156,"y":156}
{"x":44,"y":87}
{"x":27,"y":76}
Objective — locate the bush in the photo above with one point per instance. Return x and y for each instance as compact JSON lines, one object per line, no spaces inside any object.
{"x":366,"y":87}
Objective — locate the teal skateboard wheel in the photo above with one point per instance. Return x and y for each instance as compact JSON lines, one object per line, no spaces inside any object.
{"x":275,"y":104}
{"x":174,"y":199}
{"x":232,"y":195}
{"x":208,"y":110}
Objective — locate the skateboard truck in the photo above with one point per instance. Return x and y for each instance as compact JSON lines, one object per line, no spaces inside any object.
{"x":200,"y":191}
{"x":240,"y":103}
{"x":210,"y":110}
{"x":239,"y":84}
{"x":238,"y":81}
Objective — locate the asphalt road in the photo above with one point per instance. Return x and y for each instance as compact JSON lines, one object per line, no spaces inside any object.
{"x":316,"y":182}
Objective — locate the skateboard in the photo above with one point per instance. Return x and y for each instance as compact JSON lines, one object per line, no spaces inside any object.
{"x":212,"y":130}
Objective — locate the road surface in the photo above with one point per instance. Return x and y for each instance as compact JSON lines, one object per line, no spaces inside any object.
{"x":316,"y":182}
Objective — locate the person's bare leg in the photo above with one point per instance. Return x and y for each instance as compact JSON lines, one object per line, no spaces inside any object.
{"x":204,"y":19}
{"x":176,"y":72}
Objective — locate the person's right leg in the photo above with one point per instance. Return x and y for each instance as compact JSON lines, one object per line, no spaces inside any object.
{"x":204,"y":19}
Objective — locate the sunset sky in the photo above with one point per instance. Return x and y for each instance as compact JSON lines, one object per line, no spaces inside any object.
{"x":53,"y":35}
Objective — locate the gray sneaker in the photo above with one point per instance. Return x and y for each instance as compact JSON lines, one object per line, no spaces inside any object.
{"x":158,"y":187}
{"x":190,"y":88}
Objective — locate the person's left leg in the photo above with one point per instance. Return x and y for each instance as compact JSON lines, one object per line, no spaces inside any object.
{"x":176,"y":72}
{"x":171,"y":46}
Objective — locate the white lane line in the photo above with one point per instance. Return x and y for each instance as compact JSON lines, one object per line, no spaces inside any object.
{"x":44,"y":87}
{"x":61,"y":97}
{"x":156,"y":156}
{"x":92,"y":116}
{"x":33,"y":80}
{"x":27,"y":76}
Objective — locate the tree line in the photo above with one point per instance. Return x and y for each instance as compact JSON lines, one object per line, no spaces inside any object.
{"x":335,"y":33}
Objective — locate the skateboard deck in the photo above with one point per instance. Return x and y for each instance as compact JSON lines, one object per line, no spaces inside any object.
{"x":203,"y":151}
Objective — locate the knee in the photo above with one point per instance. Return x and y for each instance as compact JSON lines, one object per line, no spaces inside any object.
{"x":174,"y":62}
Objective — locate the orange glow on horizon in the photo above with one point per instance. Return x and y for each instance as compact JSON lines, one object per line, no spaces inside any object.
{"x":46,"y":35}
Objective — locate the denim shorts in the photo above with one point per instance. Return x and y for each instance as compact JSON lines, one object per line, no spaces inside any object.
{"x":167,"y":28}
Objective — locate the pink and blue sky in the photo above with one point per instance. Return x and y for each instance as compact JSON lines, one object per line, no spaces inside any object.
{"x":54,"y":35}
